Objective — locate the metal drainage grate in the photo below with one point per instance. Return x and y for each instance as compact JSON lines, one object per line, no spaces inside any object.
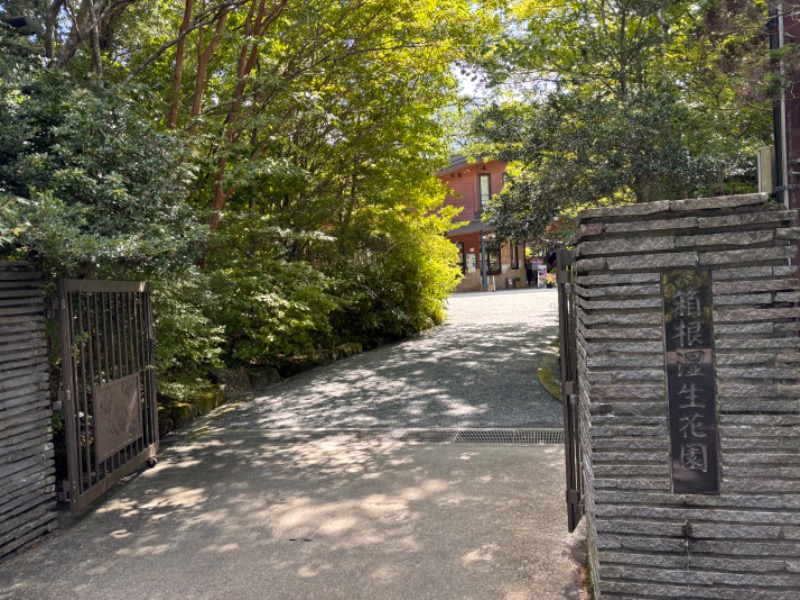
{"x":408,"y":436}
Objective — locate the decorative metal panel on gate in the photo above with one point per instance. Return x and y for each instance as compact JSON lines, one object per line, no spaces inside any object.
{"x":108,"y":383}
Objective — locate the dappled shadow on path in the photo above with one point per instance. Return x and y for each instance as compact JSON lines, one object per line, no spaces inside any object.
{"x":470,"y":376}
{"x":235,"y":518}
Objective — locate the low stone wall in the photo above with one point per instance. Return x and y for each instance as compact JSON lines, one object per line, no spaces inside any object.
{"x":645,"y":541}
{"x":27,"y":477}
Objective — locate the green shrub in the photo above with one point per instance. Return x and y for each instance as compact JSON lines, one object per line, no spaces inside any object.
{"x":188,"y":344}
{"x":87,"y":186}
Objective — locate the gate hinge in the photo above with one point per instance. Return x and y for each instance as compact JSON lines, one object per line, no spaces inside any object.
{"x":568,"y":388}
{"x":58,"y":403}
{"x":573,"y":497}
{"x":573,"y":400}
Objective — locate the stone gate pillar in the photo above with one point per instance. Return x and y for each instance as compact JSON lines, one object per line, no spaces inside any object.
{"x":689,"y":398}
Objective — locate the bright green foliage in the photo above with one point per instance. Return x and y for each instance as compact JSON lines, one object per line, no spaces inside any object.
{"x":268,"y":305}
{"x":189,"y":343}
{"x":617,"y":105}
{"x":401,"y":286}
{"x":307,"y":133}
{"x":87,"y":187}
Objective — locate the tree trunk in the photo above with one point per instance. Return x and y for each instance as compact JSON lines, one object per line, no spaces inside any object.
{"x":177,"y":79}
{"x":203,"y":58}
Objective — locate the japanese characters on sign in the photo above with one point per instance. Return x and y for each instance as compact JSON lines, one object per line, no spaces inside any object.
{"x":690,"y":381}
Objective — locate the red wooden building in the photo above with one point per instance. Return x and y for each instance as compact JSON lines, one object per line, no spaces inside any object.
{"x":485,"y":261}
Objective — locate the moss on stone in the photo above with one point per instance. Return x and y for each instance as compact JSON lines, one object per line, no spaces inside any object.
{"x":549,"y":375}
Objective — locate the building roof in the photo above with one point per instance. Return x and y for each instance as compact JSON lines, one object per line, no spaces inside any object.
{"x":456,"y":162}
{"x":471,"y":227}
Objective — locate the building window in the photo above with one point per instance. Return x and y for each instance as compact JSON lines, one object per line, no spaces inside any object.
{"x":514,"y":256}
{"x":484,"y":179}
{"x":462,"y":258}
{"x":493,"y":264}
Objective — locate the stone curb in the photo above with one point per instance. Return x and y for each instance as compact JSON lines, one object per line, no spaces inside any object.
{"x":547,"y":374}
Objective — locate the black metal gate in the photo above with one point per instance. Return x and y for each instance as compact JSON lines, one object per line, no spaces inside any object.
{"x":108,"y":383}
{"x":569,"y":389}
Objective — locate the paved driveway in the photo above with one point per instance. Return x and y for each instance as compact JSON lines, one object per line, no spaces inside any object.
{"x":478,"y":370}
{"x":246,"y":512}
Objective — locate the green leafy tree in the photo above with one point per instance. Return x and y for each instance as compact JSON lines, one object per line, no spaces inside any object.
{"x":611,"y":104}
{"x":306,"y":134}
{"x":88,"y":188}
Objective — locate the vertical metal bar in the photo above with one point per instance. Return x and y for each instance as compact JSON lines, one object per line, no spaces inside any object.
{"x":112,"y":375}
{"x":98,"y":377}
{"x":123,"y":316}
{"x":67,"y":380}
{"x":151,"y":381}
{"x":89,"y":381}
{"x":138,"y":348}
{"x":127,"y":451}
{"x":567,"y":355}
{"x":484,"y":276}
{"x":131,"y":335}
{"x":80,"y":350}
{"x":98,"y":347}
{"x":104,"y":318}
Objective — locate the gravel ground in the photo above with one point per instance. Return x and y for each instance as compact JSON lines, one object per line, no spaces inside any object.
{"x":477,"y":370}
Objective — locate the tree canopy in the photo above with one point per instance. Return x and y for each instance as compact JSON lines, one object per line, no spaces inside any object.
{"x":274,"y":160}
{"x":612,"y":101}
